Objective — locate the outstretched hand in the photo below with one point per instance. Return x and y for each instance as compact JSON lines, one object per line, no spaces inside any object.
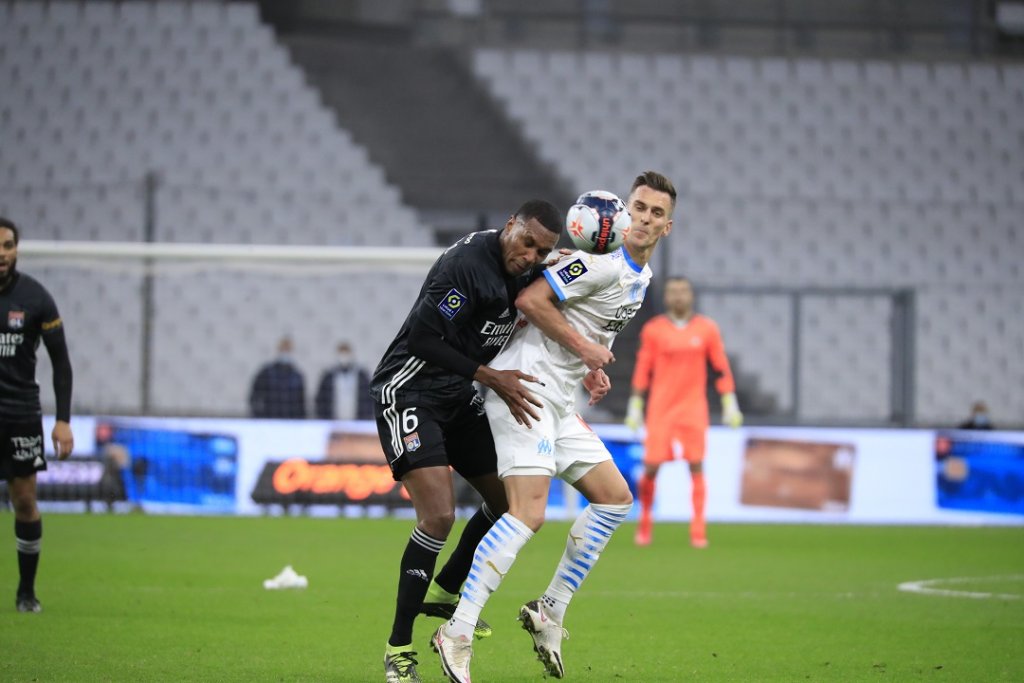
{"x":508,"y":384}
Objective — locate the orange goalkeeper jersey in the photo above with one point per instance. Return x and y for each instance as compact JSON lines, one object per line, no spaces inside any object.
{"x":671,"y":366}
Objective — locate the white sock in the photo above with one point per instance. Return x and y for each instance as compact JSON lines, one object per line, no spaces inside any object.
{"x":491,"y":561}
{"x":587,"y":538}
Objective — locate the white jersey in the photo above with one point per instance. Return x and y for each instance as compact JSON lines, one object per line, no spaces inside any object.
{"x":599,"y":294}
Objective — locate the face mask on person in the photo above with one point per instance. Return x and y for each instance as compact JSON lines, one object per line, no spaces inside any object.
{"x":981,"y":419}
{"x":345,"y":359}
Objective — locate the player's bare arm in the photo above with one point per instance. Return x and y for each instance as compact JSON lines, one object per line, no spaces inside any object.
{"x":537,"y":303}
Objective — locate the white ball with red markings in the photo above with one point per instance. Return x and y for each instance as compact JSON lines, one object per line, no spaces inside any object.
{"x":598,"y":222}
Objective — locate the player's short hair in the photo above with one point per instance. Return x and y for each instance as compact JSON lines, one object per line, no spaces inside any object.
{"x":546,"y":213}
{"x":678,"y":278}
{"x":9,"y":224}
{"x":655,"y":181}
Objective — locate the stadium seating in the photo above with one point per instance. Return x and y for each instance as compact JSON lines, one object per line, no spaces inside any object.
{"x":100,"y":94}
{"x":97,"y":95}
{"x":808,"y":172}
{"x":793,"y":172}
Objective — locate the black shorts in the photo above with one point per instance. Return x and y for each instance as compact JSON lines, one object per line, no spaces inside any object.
{"x":418,"y":434}
{"x":21,"y":449}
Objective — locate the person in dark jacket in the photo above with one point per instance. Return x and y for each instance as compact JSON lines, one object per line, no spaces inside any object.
{"x":344,"y":391}
{"x":278,"y":390}
{"x":979,"y":418}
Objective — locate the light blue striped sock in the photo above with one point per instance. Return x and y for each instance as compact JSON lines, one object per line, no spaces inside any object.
{"x":587,"y":538}
{"x":491,"y":561}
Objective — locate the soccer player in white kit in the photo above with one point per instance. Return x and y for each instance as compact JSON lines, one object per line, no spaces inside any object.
{"x":569,"y":321}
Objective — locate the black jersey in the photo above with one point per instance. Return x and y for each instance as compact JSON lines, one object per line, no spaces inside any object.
{"x":468,"y":300}
{"x":27,"y":314}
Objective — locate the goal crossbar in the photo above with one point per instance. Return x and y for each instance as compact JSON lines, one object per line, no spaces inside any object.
{"x":65,"y":249}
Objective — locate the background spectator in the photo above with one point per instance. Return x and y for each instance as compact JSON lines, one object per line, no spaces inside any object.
{"x":979,"y":418}
{"x":344,"y":390}
{"x":278,"y":390}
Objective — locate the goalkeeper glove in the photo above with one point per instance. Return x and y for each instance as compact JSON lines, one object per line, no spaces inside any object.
{"x":731,"y":414}
{"x":635,"y":413}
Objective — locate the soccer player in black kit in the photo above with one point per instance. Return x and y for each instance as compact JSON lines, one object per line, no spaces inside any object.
{"x":430,"y":417}
{"x":28,"y":314}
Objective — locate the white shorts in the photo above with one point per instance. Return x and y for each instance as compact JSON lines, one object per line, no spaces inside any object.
{"x":560,"y":444}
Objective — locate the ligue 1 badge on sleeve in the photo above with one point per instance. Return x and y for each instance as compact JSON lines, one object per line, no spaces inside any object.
{"x":16,"y":319}
{"x":452,"y":303}
{"x":572,"y":271}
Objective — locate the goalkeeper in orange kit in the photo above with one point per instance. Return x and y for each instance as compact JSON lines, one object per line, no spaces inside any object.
{"x":671,"y":372}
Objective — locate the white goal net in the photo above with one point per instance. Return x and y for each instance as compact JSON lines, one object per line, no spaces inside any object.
{"x":181,"y":329}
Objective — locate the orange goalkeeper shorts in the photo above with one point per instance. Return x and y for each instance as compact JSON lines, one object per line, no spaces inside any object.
{"x":666,"y":442}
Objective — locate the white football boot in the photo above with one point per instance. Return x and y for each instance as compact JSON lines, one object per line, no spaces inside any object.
{"x":547,"y":636}
{"x":455,"y":652}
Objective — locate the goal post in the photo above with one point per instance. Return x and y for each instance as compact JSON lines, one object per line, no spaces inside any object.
{"x":181,"y":329}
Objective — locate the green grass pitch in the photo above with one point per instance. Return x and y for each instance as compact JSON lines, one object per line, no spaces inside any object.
{"x":136,"y":598}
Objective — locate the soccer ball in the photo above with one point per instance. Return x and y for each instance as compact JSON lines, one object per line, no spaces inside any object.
{"x":598,"y":222}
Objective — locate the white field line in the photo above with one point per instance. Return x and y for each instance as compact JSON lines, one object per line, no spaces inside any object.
{"x":746,"y":595}
{"x":927,"y":587}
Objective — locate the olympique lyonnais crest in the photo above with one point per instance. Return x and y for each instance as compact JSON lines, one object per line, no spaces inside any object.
{"x":412,"y":441}
{"x":16,"y":319}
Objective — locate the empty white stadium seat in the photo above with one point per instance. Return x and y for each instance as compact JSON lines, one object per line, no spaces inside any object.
{"x":245,"y":151}
{"x":800,"y":172}
{"x":160,"y":90}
